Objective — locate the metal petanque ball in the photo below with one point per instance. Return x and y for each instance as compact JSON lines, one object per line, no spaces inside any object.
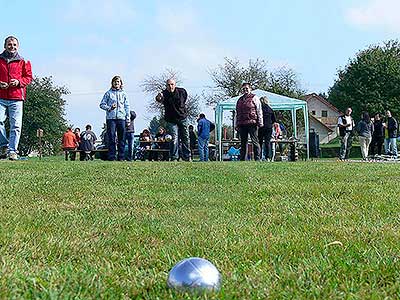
{"x":195,"y":275}
{"x":168,"y":138}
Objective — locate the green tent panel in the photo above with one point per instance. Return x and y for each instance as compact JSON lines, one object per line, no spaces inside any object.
{"x":277,"y":102}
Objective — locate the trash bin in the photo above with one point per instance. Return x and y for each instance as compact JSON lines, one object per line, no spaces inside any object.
{"x":315,"y":151}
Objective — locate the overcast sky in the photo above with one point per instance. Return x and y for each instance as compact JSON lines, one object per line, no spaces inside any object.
{"x":83,"y":44}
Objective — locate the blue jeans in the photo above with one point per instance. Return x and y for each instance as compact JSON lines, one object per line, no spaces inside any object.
{"x":203,"y":148}
{"x":391,"y":146}
{"x":180,"y":133}
{"x":15,"y":109}
{"x":129,"y":138}
{"x":116,"y":126}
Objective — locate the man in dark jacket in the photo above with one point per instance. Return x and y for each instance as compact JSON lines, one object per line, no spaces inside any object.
{"x":248,"y":119}
{"x":390,"y":140}
{"x":15,"y":75}
{"x":377,"y":136}
{"x":88,"y":138}
{"x":174,"y":100}
{"x":130,"y":135}
{"x":265,"y":132}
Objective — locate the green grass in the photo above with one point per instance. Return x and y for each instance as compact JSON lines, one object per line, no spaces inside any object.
{"x":90,"y":230}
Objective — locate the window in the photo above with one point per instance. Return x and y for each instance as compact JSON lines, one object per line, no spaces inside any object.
{"x":313,"y":112}
{"x":324,"y":113}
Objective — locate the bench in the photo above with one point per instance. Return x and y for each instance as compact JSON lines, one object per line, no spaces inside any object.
{"x":91,"y":153}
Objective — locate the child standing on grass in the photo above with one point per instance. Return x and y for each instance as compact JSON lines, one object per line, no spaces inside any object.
{"x":115,"y":103}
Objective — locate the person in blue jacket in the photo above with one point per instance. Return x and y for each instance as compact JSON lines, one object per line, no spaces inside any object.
{"x":115,"y":103}
{"x":203,"y":136}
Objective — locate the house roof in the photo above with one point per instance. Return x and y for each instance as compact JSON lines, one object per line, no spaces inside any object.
{"x":321,"y":99}
{"x":318,"y":121}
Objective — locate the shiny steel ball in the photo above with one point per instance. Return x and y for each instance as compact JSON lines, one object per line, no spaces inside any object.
{"x":194,"y":275}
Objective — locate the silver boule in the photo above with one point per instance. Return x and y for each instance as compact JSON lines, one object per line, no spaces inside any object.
{"x":194,"y":274}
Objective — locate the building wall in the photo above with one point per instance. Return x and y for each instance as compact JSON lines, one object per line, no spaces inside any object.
{"x":314,"y":105}
{"x":325,"y":135}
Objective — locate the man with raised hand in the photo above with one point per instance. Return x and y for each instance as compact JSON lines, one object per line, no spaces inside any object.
{"x":174,"y":100}
{"x":15,"y":75}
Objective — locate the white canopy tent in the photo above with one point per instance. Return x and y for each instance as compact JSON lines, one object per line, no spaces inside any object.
{"x":277,"y":102}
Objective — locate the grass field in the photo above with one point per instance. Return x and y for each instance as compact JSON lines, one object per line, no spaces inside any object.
{"x":90,"y":230}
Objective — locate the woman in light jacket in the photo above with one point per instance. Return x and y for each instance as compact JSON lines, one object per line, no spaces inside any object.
{"x":115,"y":103}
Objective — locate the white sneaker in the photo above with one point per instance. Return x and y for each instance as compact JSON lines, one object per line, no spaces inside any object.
{"x":13,"y":156}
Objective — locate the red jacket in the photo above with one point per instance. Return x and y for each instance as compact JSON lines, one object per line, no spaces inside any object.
{"x":69,"y":140}
{"x":246,"y":111}
{"x":18,"y":69}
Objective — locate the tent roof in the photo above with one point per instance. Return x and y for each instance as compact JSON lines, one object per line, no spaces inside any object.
{"x":277,"y":102}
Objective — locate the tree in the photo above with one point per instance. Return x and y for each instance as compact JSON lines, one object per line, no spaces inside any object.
{"x":370,"y":81}
{"x":229,"y":77}
{"x":154,"y":84}
{"x":44,"y":108}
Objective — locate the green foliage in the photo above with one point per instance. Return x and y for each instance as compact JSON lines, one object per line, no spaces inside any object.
{"x":268,"y":228}
{"x":44,"y":108}
{"x":229,"y":77}
{"x":370,"y":81}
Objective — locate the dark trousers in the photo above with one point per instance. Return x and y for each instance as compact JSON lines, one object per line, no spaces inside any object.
{"x":245,"y":131}
{"x":85,"y":155}
{"x":180,"y":137}
{"x":116,"y":129}
{"x":377,"y":141}
{"x":70,"y":154}
{"x":264,"y":135}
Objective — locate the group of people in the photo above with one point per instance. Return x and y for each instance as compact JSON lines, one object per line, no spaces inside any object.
{"x":255,"y":118}
{"x":372,"y":134}
{"x":120,"y":124}
{"x":84,"y":143}
{"x":153,"y":148}
{"x":16,"y":74}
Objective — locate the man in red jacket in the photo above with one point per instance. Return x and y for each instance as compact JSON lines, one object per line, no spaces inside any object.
{"x":69,"y":143}
{"x":15,"y":75}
